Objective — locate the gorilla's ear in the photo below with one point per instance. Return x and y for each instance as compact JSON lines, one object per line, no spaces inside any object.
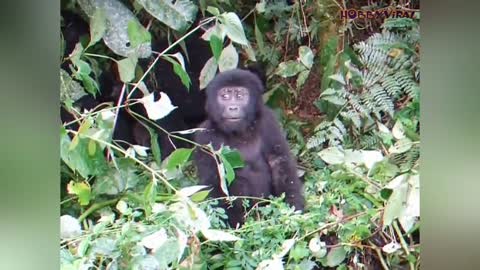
{"x":259,"y":70}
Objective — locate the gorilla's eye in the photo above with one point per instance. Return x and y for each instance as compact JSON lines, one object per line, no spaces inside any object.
{"x":239,"y":96}
{"x":225,"y":96}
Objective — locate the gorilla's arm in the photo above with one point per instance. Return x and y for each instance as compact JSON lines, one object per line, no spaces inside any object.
{"x":282,"y":165}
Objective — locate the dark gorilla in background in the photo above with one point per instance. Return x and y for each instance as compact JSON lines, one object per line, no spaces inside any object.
{"x":237,"y":117}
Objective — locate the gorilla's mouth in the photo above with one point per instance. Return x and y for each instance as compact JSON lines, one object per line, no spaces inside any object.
{"x":233,"y":119}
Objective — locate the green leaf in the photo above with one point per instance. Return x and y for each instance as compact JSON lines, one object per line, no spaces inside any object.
{"x":216,"y":45}
{"x":299,"y":252}
{"x":89,"y":84}
{"x":213,"y":10}
{"x":336,"y":256}
{"x":302,"y":78}
{"x":233,"y":28}
{"x":332,"y":155}
{"x":126,"y":69}
{"x":178,"y":158}
{"x":396,"y":204}
{"x":154,"y":146}
{"x":217,"y":235}
{"x":116,"y":181}
{"x":289,"y":69}
{"x":177,"y":15}
{"x":149,"y":194}
{"x":70,"y":90}
{"x":259,"y":38}
{"x":81,"y":190}
{"x":78,"y":159}
{"x":306,"y":56}
{"x":208,"y":72}
{"x":228,"y":58}
{"x":401,"y":146}
{"x":116,"y":36}
{"x":98,"y":26}
{"x":92,"y":147}
{"x":200,"y":196}
{"x":328,"y":71}
{"x":137,"y":34}
{"x":179,"y":69}
{"x":229,"y":172}
{"x":233,"y":157}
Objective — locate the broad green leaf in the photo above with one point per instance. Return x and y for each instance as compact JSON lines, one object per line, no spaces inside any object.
{"x":179,"y":69}
{"x":328,"y":70}
{"x":189,"y":191}
{"x":178,"y":158}
{"x":76,"y":53}
{"x":332,"y":155}
{"x":167,"y":253}
{"x":81,"y":190}
{"x":122,"y":207}
{"x":336,"y":100}
{"x":137,"y":34}
{"x":118,"y":17}
{"x":401,"y":146}
{"x":271,"y":264}
{"x":396,"y":204}
{"x":338,"y":77}
{"x":398,"y":130}
{"x":149,"y":194}
{"x":289,"y":69}
{"x":104,"y":246}
{"x":116,"y":181}
{"x":78,"y":159}
{"x":83,"y":68}
{"x":200,"y":196}
{"x":233,"y":28}
{"x":155,"y":240}
{"x":366,"y":157}
{"x":233,"y":157}
{"x":208,"y":72}
{"x":69,"y":227}
{"x":336,"y":256}
{"x":98,"y":26}
{"x":317,"y":247}
{"x":228,"y":58}
{"x":217,"y":235}
{"x":229,"y":172}
{"x":216,"y":45}
{"x":126,"y":69}
{"x":213,"y":10}
{"x":391,"y":247}
{"x":306,"y":56}
{"x":412,"y":210}
{"x":216,"y":30}
{"x":70,"y":90}
{"x":88,"y":83}
{"x":156,"y":151}
{"x":299,"y":252}
{"x":178,"y":14}
{"x":259,"y":38}
{"x":157,"y":109}
{"x":302,"y":78}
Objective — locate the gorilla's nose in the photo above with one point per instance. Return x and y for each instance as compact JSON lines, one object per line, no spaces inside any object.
{"x":233,"y":108}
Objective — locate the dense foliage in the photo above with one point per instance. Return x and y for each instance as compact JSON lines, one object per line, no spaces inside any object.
{"x":347,"y":98}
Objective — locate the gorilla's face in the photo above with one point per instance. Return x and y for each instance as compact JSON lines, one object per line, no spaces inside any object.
{"x":233,"y":103}
{"x":233,"y":99}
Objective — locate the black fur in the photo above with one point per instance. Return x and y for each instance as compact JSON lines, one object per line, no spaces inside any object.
{"x":269,"y":168}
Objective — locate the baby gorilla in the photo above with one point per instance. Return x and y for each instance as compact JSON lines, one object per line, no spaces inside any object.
{"x":237,"y":117}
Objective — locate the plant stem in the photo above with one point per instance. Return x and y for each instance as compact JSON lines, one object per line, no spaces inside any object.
{"x":95,"y":207}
